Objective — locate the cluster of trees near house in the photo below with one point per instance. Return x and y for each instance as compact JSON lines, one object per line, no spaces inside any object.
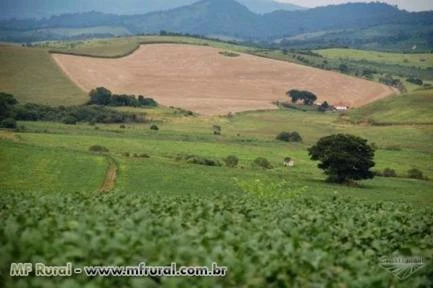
{"x":307,"y":97}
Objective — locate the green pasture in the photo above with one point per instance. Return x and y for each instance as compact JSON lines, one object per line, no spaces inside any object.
{"x":409,"y":108}
{"x":121,"y":46}
{"x":163,"y":210}
{"x":420,"y":60}
{"x":29,"y":168}
{"x":32,"y":76}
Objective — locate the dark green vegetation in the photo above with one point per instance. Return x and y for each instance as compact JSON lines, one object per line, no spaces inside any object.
{"x":10,"y":110}
{"x":104,"y":97}
{"x":415,"y":81}
{"x":372,"y":25}
{"x":7,"y":117}
{"x":415,"y":174}
{"x":98,"y":149}
{"x":306,"y":97}
{"x":199,"y":160}
{"x":264,"y":242}
{"x":229,"y":54}
{"x":289,"y":137}
{"x":231,"y":161}
{"x":344,"y":157}
{"x":261,"y":162}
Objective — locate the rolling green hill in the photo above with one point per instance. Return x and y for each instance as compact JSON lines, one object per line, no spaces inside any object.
{"x":33,"y":76}
{"x":420,"y":60}
{"x":411,"y":108}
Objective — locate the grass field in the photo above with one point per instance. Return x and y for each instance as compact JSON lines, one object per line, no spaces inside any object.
{"x":27,"y":168}
{"x":33,"y":76}
{"x":411,"y":108}
{"x":121,"y":46}
{"x":163,"y":210}
{"x":420,"y":60}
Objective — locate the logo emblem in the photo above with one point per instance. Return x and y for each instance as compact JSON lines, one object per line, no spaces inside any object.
{"x":402,"y":267}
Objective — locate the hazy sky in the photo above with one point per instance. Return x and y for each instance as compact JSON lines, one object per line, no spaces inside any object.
{"x":410,"y":5}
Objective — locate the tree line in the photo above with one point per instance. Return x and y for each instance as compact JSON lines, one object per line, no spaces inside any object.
{"x":11,"y":111}
{"x":103,"y":96}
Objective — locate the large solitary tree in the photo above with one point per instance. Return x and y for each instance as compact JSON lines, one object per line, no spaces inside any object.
{"x":344,"y":157}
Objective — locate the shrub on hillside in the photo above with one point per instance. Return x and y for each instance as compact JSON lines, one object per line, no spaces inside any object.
{"x":393,"y":148}
{"x":7,"y":102}
{"x":390,"y":81}
{"x":374,"y":146}
{"x":70,"y":120}
{"x":216,"y":130}
{"x":199,"y":160}
{"x":262,"y":162}
{"x":9,"y":123}
{"x":229,"y":54}
{"x":343,"y":68}
{"x":415,"y":174}
{"x":415,"y":81}
{"x":98,"y":149}
{"x":143,"y":155}
{"x":289,"y":136}
{"x":231,"y":161}
{"x":388,"y":172}
{"x":154,"y":127}
{"x":324,"y":107}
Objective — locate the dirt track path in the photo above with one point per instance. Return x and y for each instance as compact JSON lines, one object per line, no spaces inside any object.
{"x":110,"y":176}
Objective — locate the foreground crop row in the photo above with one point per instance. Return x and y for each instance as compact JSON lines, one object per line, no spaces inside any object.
{"x":295,"y":241}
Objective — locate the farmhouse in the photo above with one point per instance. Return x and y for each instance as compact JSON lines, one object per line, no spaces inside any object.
{"x":341,"y":108}
{"x":288,"y":162}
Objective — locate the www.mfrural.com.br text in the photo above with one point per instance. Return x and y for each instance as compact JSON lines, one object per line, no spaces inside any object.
{"x":140,"y":270}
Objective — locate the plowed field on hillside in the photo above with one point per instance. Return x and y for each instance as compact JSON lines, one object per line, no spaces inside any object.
{"x":200,"y":79}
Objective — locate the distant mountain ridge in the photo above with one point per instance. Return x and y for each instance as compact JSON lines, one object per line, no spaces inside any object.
{"x":22,"y":9}
{"x":229,"y":18}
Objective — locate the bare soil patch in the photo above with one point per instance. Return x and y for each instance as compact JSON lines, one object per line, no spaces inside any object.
{"x":200,"y":79}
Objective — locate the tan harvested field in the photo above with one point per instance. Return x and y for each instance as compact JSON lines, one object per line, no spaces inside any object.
{"x":200,"y":79}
